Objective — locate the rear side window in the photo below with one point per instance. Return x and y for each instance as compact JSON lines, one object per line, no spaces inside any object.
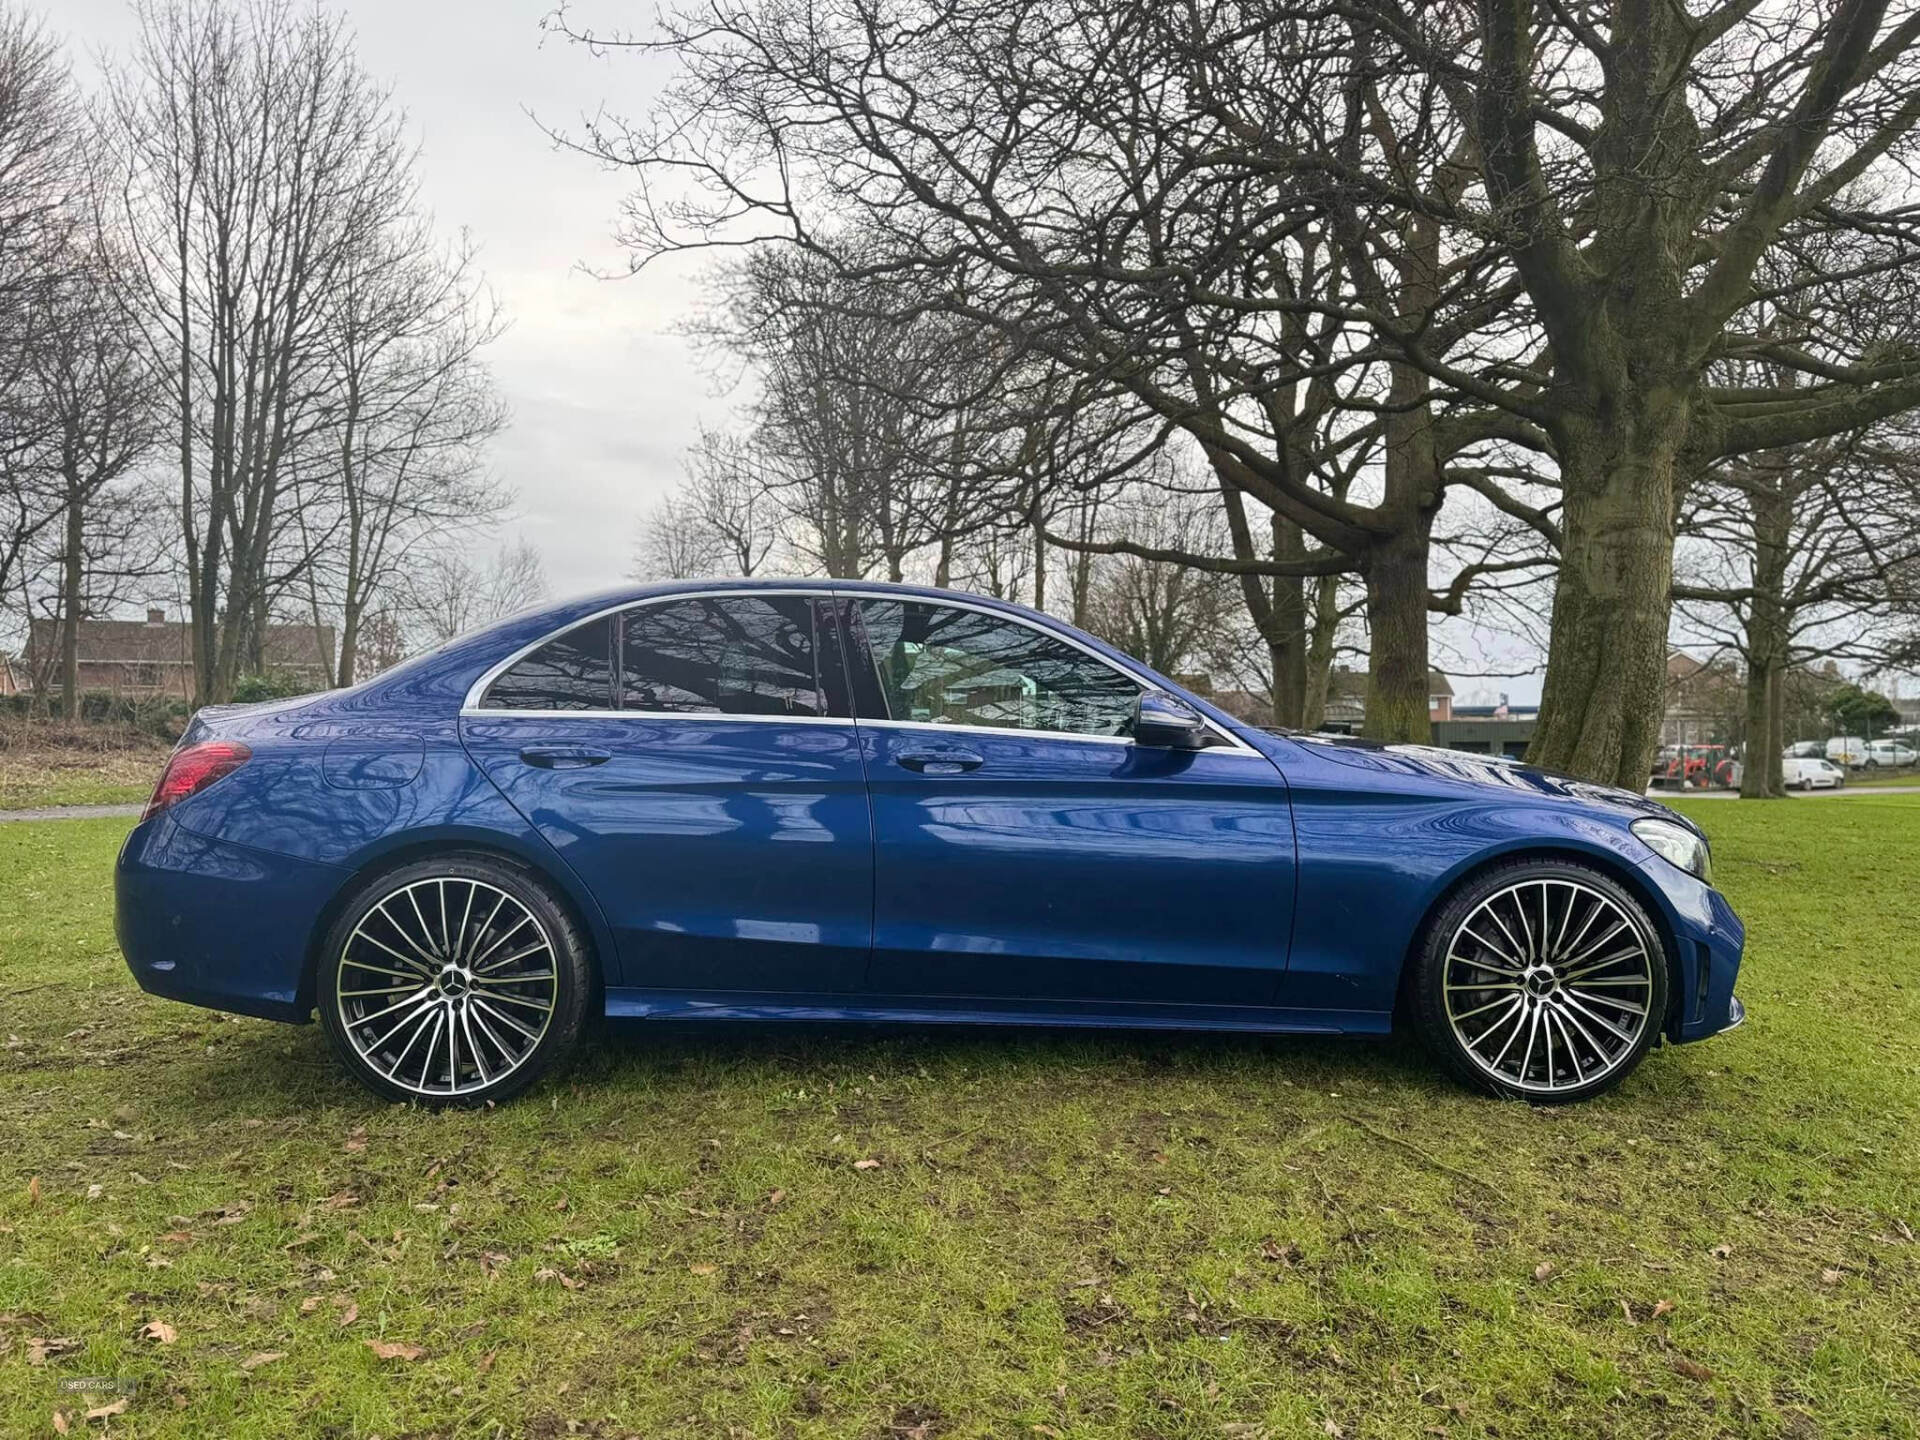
{"x":723,"y":655}
{"x":573,"y":671}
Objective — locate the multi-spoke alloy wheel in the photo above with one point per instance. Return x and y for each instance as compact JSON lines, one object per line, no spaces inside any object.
{"x":1543,"y":980}
{"x":452,"y":981}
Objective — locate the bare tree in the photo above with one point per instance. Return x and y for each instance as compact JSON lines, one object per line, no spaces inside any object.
{"x":39,"y":181}
{"x":1114,"y":182}
{"x":93,"y":384}
{"x":1172,"y":616}
{"x":854,"y":401}
{"x":1797,"y":556}
{"x":1099,"y":185}
{"x":405,"y":422}
{"x":256,"y":164}
{"x":723,"y":520}
{"x":444,"y":594}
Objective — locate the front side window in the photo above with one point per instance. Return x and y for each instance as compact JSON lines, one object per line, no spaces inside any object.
{"x":722,"y":655}
{"x":948,"y":666}
{"x":573,"y":671}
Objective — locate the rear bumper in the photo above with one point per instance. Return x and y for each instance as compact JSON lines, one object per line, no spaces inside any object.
{"x":219,"y":925}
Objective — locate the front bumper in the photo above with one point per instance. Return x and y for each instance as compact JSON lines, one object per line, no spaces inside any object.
{"x":217,"y":924}
{"x":1709,"y":941}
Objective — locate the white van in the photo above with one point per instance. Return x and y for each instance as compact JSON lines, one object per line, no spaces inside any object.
{"x":1798,"y":772}
{"x":1847,"y":750}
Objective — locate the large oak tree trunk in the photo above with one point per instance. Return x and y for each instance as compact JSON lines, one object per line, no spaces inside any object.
{"x":1605,"y":691}
{"x":1398,"y":681}
{"x":1398,"y":677}
{"x":1761,"y":774}
{"x":1286,"y":629}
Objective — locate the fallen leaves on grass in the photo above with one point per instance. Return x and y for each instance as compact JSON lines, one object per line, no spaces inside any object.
{"x":33,"y":1191}
{"x":775,"y":1198}
{"x":1721,"y":1251}
{"x":60,"y":1422}
{"x":394,"y":1350}
{"x":159,"y":1331}
{"x":703,"y":1269}
{"x":1692,"y":1369}
{"x":1831,"y":1275}
{"x":262,"y":1357}
{"x":42,"y":1348}
{"x":1543,"y":1271}
{"x":1662,"y":1307}
{"x":108,"y":1411}
{"x":866,"y":1164}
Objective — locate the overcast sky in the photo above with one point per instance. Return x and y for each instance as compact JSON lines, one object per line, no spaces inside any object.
{"x":605,"y":395}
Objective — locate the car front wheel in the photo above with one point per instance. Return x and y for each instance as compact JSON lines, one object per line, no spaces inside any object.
{"x":455,"y":980}
{"x":1542,"y":980}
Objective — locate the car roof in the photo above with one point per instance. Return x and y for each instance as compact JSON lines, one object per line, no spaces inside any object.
{"x":441,"y":679}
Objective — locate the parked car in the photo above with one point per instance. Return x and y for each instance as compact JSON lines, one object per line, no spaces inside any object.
{"x":1890,"y":752}
{"x":864,"y":802}
{"x":1847,"y":750}
{"x":1806,"y":750}
{"x":1797,"y":773}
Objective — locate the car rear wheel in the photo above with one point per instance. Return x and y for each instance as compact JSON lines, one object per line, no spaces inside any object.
{"x":454,"y":980}
{"x":1543,"y":980}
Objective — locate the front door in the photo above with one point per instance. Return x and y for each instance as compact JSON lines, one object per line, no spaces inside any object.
{"x":1026,"y":850}
{"x":690,"y":761}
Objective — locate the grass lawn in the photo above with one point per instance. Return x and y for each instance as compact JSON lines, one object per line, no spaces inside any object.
{"x":1107,"y":1236}
{"x":1872,"y":778}
{"x":34,"y":775}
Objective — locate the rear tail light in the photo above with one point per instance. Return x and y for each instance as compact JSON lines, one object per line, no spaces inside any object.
{"x":193,"y":769}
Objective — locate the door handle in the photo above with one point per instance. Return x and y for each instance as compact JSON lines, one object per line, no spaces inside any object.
{"x":939,"y":762}
{"x":564,"y":757}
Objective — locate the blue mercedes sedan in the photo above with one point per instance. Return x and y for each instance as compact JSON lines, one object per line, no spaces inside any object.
{"x":849,"y":801}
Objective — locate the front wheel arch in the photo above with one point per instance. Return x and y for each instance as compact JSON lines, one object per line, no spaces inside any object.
{"x":1628,"y":877}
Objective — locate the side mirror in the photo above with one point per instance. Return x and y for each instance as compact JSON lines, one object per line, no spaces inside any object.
{"x":1167,"y":723}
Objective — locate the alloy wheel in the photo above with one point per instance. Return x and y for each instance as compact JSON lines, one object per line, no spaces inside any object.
{"x":1549,"y":985}
{"x":447,"y":986}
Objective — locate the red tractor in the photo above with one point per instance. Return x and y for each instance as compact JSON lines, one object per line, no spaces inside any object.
{"x":1695,"y":767}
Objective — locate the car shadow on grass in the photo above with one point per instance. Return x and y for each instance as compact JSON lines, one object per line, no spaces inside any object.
{"x":265,"y":1069}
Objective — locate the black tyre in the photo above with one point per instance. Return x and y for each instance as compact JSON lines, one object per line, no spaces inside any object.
{"x":1542,"y":980}
{"x":458,"y":980}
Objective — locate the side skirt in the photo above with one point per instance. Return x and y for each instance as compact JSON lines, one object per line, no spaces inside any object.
{"x":627,"y":1003}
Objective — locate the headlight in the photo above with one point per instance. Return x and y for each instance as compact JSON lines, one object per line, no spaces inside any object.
{"x":1677,"y":844}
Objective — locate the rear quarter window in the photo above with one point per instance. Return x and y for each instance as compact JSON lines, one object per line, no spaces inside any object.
{"x":573,"y":671}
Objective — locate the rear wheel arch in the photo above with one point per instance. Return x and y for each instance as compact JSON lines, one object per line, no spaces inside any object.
{"x":583,"y":915}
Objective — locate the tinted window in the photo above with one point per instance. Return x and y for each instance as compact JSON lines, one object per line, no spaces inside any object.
{"x":728,"y":655}
{"x":965,"y":667}
{"x":571,"y":672}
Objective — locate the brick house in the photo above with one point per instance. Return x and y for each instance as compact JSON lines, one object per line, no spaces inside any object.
{"x":154,"y":657}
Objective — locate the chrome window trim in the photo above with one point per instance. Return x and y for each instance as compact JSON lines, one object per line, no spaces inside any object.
{"x":471,"y":704}
{"x":652,"y":715}
{"x":471,"y":708}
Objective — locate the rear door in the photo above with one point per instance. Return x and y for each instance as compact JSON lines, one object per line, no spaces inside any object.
{"x":695,"y":761}
{"x":1027,"y":850}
